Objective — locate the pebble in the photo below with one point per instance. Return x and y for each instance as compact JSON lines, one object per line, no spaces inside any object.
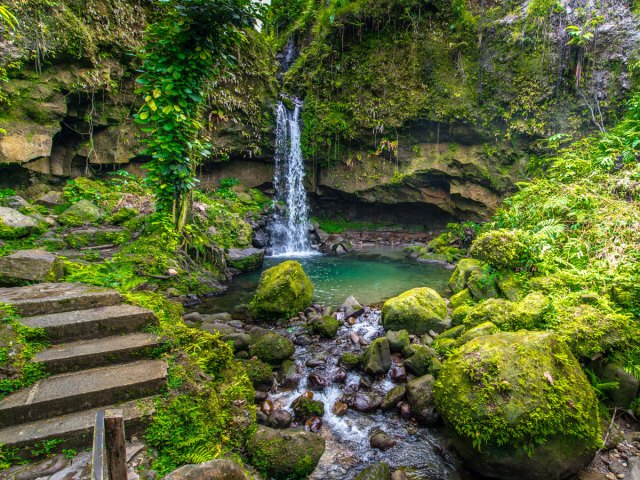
{"x":340,"y":409}
{"x":382,"y":441}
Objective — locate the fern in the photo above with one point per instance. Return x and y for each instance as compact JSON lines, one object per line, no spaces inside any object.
{"x":599,"y":386}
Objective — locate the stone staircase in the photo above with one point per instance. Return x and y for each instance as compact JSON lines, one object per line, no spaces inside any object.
{"x":99,"y":359}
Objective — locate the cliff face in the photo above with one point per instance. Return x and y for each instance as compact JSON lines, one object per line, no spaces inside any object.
{"x":444,"y":103}
{"x":436,"y":105}
{"x":68,"y":93}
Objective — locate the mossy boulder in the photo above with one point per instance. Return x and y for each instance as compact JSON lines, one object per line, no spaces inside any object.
{"x":420,"y":359}
{"x":481,"y":285}
{"x":326,"y":326}
{"x":377,"y":471}
{"x":503,"y":249}
{"x":282,"y":291}
{"x":290,"y":454}
{"x":218,"y":469}
{"x":443,"y":345}
{"x":14,"y":224}
{"x":305,"y":407}
{"x":417,"y":311}
{"x":486,"y":328}
{"x":509,"y":285}
{"x":30,"y":266}
{"x":460,"y":275}
{"x":350,"y":360}
{"x":260,"y":374}
{"x":398,"y":340}
{"x":81,"y":213}
{"x":273,"y":348}
{"x":453,"y":332}
{"x":530,"y":311}
{"x":495,"y":310}
{"x":463,"y":297}
{"x":519,"y":406}
{"x":245,"y":259}
{"x":459,"y":314}
{"x":377,"y":357}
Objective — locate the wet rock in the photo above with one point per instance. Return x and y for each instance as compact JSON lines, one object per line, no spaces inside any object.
{"x":351,"y":308}
{"x":364,"y":384}
{"x":241,"y":341}
{"x":398,"y":374}
{"x":212,"y":470}
{"x":14,"y":224}
{"x":279,"y":419}
{"x":288,"y":375}
{"x":217,"y":318}
{"x":235,"y":323}
{"x":29,"y":266}
{"x":273,"y":348}
{"x":417,"y":311}
{"x":305,"y":407}
{"x":378,"y":471}
{"x":260,"y":396}
{"x":393,"y":397}
{"x":362,"y":402}
{"x":282,"y":291}
{"x":398,"y":340}
{"x":404,"y":410}
{"x":421,"y":400}
{"x":260,"y":374}
{"x":303,"y":340}
{"x":355,"y":338}
{"x":291,"y":453}
{"x":317,"y":381}
{"x":340,"y":409}
{"x":313,"y":424}
{"x":221,"y":328}
{"x":193,"y":317}
{"x":377,"y":357}
{"x":315,"y":362}
{"x":326,"y":326}
{"x":382,"y":441}
{"x":340,"y":376}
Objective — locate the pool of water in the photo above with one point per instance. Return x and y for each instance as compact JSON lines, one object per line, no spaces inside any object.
{"x":371,"y":276}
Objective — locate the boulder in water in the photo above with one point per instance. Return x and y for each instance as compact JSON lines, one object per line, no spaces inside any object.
{"x":418,"y":311}
{"x":305,"y":407}
{"x":351,"y":308}
{"x":393,"y":397}
{"x":279,"y":419}
{"x":382,"y":441}
{"x":326,"y":326}
{"x":285,"y":454}
{"x":377,"y":357}
{"x":420,"y":359}
{"x":519,"y":406}
{"x":282,"y":291}
{"x":362,"y":402}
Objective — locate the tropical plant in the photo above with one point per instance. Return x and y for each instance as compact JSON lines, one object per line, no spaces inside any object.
{"x":190,"y":45}
{"x":8,"y":18}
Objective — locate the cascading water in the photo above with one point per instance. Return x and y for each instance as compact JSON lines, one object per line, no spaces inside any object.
{"x":290,"y":226}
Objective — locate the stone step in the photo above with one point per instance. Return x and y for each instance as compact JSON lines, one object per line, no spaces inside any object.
{"x":75,"y":429}
{"x":92,"y":323}
{"x":47,"y":298}
{"x":77,"y":391}
{"x":70,"y":357}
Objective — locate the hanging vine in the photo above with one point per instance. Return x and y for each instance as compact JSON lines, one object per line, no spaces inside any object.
{"x":190,"y":45}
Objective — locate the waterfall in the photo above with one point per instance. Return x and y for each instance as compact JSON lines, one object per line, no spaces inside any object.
{"x":290,"y":226}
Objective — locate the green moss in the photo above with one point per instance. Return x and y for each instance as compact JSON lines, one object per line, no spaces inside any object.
{"x":273,"y":348}
{"x":417,"y":311}
{"x":350,"y":360}
{"x":260,"y":373}
{"x":283,"y":291}
{"x":326,"y":326}
{"x":504,"y":249}
{"x":463,"y":297}
{"x":514,"y":394}
{"x":460,"y":275}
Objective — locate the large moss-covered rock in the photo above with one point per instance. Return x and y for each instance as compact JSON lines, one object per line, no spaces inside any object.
{"x":283,"y":290}
{"x":420,"y":359}
{"x":377,"y":357}
{"x":463,"y":297}
{"x":245,"y":259}
{"x":81,"y":213}
{"x":503,"y":249}
{"x":14,"y":224}
{"x":417,"y":311}
{"x":481,"y":285}
{"x":486,"y":328}
{"x":495,"y":310}
{"x":285,"y":454}
{"x":519,"y":406}
{"x":460,"y":275}
{"x":326,"y":326}
{"x":398,"y":341}
{"x":273,"y":348}
{"x":528,"y":313}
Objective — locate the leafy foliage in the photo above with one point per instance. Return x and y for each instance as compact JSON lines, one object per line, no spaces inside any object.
{"x":188,"y":46}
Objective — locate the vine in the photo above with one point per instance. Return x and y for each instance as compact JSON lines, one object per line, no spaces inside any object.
{"x":190,"y":45}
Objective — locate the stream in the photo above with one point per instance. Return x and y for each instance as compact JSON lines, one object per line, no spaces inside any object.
{"x":371,"y":276}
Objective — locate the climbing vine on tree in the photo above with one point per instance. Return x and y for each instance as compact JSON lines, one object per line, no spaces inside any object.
{"x":189,"y":46}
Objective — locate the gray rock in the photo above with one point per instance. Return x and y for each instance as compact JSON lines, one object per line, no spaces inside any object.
{"x":220,"y":328}
{"x":352,"y":308}
{"x":217,"y":318}
{"x":377,"y":357}
{"x":81,"y":213}
{"x":241,"y":341}
{"x":382,"y":441}
{"x":14,"y":201}
{"x":421,"y":400}
{"x":393,"y":397}
{"x":279,"y":419}
{"x":14,"y":224}
{"x":398,"y":340}
{"x":30,"y":266}
{"x":633,"y":473}
{"x":213,"y":470}
{"x":245,"y":259}
{"x":51,"y":199}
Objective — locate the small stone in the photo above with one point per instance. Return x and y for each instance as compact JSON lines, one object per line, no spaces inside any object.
{"x":340,"y":409}
{"x":382,"y":441}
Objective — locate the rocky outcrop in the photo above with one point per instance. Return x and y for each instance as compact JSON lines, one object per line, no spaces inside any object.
{"x":30,"y":266}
